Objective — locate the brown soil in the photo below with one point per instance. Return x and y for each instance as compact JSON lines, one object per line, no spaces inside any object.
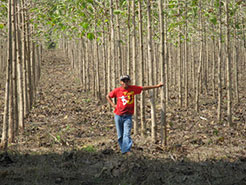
{"x":70,"y":139}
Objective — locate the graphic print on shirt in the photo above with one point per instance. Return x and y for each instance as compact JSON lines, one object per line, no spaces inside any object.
{"x":124,"y":100}
{"x":127,"y":98}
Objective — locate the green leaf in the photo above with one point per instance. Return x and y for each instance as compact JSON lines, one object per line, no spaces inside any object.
{"x":117,"y":12}
{"x":217,"y":4}
{"x":194,"y":2}
{"x":213,"y":20}
{"x":90,"y":36}
{"x":85,"y":25}
{"x":82,"y":34}
{"x":83,"y":5}
{"x":90,"y":1}
{"x":1,"y":26}
{"x":237,"y":26}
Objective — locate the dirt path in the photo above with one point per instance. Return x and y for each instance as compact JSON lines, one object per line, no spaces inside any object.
{"x":70,"y":139}
{"x":64,"y":117}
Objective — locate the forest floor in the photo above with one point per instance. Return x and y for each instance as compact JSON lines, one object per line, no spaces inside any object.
{"x":70,"y":138}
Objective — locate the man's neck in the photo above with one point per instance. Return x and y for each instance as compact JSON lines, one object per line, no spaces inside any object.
{"x":126,"y":87}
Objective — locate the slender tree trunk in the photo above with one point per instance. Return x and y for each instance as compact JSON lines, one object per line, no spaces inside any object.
{"x":2,"y":62}
{"x":80,"y":61}
{"x":167,"y":66}
{"x":104,"y":62}
{"x":205,"y":62}
{"x":4,"y":141}
{"x":150,"y":62}
{"x":109,"y":63}
{"x":213,"y":66}
{"x":33,"y":70}
{"x":83,"y":45}
{"x":198,"y":83}
{"x":29,"y":65}
{"x":219,"y":66}
{"x":20,"y":73}
{"x":98,"y":86}
{"x":86,"y":66}
{"x":134,"y":67}
{"x":88,"y":60}
{"x":13,"y":98}
{"x":186,"y":58}
{"x":193,"y":65}
{"x":38,"y":70}
{"x":129,"y":39}
{"x":112,"y":44}
{"x":141,"y":60}
{"x":235,"y":63}
{"x":119,"y":62}
{"x":180,"y":68}
{"x":229,"y":81}
{"x":163,"y":90}
{"x":93,"y":67}
{"x":236,"y":60}
{"x":24,"y":58}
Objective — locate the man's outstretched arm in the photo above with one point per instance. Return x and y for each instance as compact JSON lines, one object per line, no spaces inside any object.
{"x":152,"y":86}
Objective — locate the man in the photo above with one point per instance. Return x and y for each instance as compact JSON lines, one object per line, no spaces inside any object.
{"x":124,"y":109}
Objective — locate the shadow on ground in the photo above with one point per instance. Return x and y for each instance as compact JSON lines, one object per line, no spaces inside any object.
{"x":107,"y":167}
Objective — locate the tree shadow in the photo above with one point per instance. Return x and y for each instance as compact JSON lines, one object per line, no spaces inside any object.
{"x":79,"y":167}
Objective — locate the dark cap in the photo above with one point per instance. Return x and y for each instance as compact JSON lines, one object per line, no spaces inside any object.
{"x":125,"y":77}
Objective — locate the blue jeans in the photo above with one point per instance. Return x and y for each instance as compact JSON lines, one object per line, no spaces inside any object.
{"x":123,"y":127}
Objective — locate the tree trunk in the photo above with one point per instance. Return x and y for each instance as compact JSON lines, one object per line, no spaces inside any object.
{"x":186,"y":59}
{"x":150,"y":62}
{"x":180,"y":68}
{"x":24,"y":58}
{"x":219,"y":65}
{"x":119,"y":62}
{"x":134,"y":67}
{"x":129,"y":39}
{"x":13,"y":98}
{"x":141,"y":62}
{"x":228,"y":62}
{"x":20,"y":72}
{"x":163,"y":90}
{"x":198,"y":83}
{"x":4,"y":141}
{"x":98,"y":81}
{"x":112,"y":44}
{"x":104,"y":61}
{"x":28,"y":65}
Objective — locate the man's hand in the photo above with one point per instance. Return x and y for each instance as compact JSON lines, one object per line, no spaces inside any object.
{"x":160,"y":84}
{"x":111,"y":102}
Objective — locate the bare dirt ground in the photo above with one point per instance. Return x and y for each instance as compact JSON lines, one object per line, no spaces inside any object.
{"x":70,"y":139}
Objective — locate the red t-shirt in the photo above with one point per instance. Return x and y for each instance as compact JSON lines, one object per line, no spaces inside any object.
{"x":125,"y":99}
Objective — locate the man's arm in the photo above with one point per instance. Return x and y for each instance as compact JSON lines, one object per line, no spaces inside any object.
{"x":110,"y":101}
{"x":152,"y":86}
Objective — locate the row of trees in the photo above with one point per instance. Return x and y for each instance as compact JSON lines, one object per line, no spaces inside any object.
{"x":22,"y":68}
{"x":195,"y":47}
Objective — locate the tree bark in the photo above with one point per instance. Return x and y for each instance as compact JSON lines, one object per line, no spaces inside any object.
{"x":228,"y":65}
{"x":141,"y":62}
{"x":134,"y":67}
{"x":4,"y":141}
{"x":163,"y":90}
{"x":150,"y":63}
{"x":219,"y":66}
